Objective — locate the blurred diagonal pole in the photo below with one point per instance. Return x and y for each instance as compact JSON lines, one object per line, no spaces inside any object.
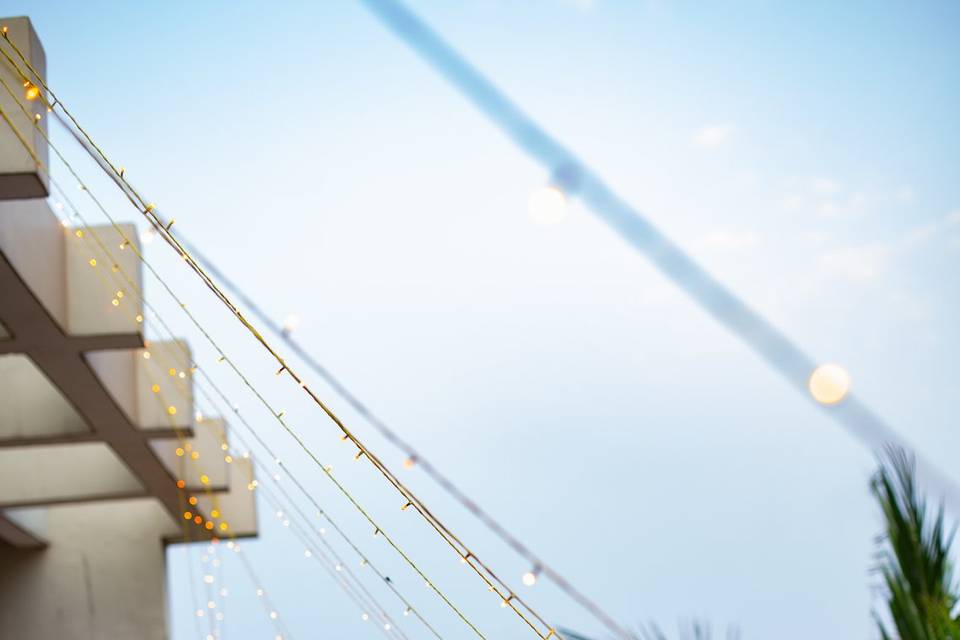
{"x":577,"y":179}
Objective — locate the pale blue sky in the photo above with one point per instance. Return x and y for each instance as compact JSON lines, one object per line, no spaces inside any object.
{"x":807,"y":154}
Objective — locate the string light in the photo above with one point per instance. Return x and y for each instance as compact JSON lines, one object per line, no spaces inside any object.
{"x":548,"y":205}
{"x":829,"y":384}
{"x":530,"y":578}
{"x":291,"y":323}
{"x":208,"y":525}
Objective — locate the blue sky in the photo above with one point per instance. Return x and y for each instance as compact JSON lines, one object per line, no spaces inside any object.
{"x":807,"y":154}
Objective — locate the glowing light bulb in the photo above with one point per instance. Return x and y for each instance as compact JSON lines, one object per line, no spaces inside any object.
{"x":259,"y":593}
{"x":155,"y":388}
{"x":187,"y":515}
{"x":387,"y":626}
{"x":172,"y":410}
{"x":273,"y":615}
{"x":223,"y":526}
{"x":408,"y":463}
{"x":364,"y":616}
{"x":529,"y":578}
{"x":307,"y":553}
{"x":147,"y":235}
{"x":146,"y":355}
{"x":193,"y":500}
{"x":291,"y":323}
{"x":829,"y":383}
{"x":215,"y":513}
{"x":139,"y":318}
{"x":547,"y":205}
{"x":208,"y":579}
{"x":181,"y":484}
{"x":204,"y":478}
{"x":115,"y":302}
{"x":93,"y":262}
{"x":31,"y":92}
{"x":211,"y":604}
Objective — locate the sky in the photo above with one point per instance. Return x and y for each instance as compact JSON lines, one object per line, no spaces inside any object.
{"x":805,"y":154}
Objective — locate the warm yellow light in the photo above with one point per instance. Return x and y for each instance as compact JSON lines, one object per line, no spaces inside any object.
{"x":32,"y":91}
{"x":195,"y":455}
{"x":187,"y":515}
{"x":193,"y":500}
{"x":208,"y":525}
{"x":198,"y":519}
{"x":93,"y":262}
{"x":215,"y":514}
{"x":228,"y":459}
{"x":172,"y":410}
{"x":547,"y":205}
{"x":223,"y":526}
{"x":146,"y":355}
{"x":172,"y":371}
{"x":829,"y":383}
{"x":115,"y":302}
{"x":79,"y":233}
{"x":204,"y":479}
{"x":408,"y":463}
{"x":119,"y":294}
{"x":181,"y":484}
{"x":155,"y":388}
{"x":139,"y":318}
{"x":290,"y":323}
{"x":179,"y":452}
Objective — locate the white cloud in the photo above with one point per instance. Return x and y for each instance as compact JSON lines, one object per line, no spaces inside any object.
{"x":825,"y":186}
{"x":583,"y":5}
{"x":727,"y":241}
{"x":904,"y":194}
{"x":854,"y":263}
{"x":714,"y":135}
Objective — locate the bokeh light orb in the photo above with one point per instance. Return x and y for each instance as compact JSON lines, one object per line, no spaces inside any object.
{"x":548,"y":205}
{"x":829,"y":383}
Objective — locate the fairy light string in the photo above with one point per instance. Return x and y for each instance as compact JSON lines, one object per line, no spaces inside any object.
{"x":158,"y":355}
{"x":216,"y":529}
{"x":134,"y":287}
{"x":200,"y":387}
{"x":508,"y":596}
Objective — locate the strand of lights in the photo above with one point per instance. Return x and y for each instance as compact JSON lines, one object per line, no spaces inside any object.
{"x":184,"y":451}
{"x":277,"y":415}
{"x":335,"y":567}
{"x":413,"y":457}
{"x":164,"y":230}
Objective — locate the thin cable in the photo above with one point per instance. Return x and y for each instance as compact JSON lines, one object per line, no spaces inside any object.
{"x":159,"y":355}
{"x":276,"y":415}
{"x":148,"y":210}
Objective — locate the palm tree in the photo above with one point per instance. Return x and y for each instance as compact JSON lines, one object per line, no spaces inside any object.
{"x":920,"y":594}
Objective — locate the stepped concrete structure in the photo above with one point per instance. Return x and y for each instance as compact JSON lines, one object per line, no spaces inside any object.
{"x":103,"y":460}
